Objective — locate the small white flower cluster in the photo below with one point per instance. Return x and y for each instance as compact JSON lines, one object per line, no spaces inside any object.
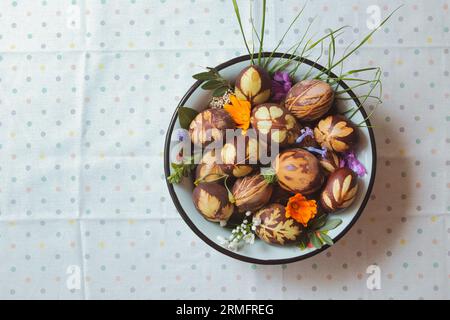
{"x":241,"y":235}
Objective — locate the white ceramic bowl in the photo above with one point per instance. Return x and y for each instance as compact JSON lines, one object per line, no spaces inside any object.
{"x":261,"y":252}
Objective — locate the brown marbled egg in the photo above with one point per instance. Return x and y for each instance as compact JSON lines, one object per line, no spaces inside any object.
{"x":331,"y":162}
{"x":253,"y":84}
{"x":210,"y":125}
{"x":241,"y":150}
{"x":274,"y":227}
{"x":212,"y":159}
{"x":211,"y":200}
{"x":209,"y":172}
{"x":251,"y":193}
{"x":298,"y":171}
{"x":340,"y":190}
{"x":309,"y":100}
{"x":276,"y":123}
{"x":336,"y":133}
{"x":280,"y":195}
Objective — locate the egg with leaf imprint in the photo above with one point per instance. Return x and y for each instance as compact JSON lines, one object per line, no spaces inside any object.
{"x":253,"y":84}
{"x":298,"y":171}
{"x":210,"y":125}
{"x":309,"y":100}
{"x":331,"y":162}
{"x":274,"y":227}
{"x":212,"y":162}
{"x":251,"y":192}
{"x":336,"y":133}
{"x":275,"y":123}
{"x":340,"y":190}
{"x":211,"y":200}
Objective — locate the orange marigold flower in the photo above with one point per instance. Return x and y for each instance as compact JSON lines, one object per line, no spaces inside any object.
{"x":239,"y":110}
{"x":301,"y":209}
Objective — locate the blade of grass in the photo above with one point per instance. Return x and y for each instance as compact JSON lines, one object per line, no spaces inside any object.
{"x":238,"y":17}
{"x":365,"y":39}
{"x":269,"y":59}
{"x":263,"y":25}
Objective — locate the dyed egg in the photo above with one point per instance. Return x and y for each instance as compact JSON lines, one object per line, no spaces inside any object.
{"x":276,"y":123}
{"x":209,"y":172}
{"x":340,"y":190}
{"x":336,"y":133}
{"x":211,"y":200}
{"x":331,"y":162}
{"x":251,"y":193}
{"x":280,"y":195}
{"x":298,"y":171}
{"x":274,"y":227}
{"x":210,"y":125}
{"x":212,"y":162}
{"x":253,"y":84}
{"x":309,"y":100}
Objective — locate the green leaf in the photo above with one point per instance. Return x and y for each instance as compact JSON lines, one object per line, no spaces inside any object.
{"x":219,"y":91}
{"x":204,"y":76}
{"x":269,"y":175}
{"x":303,"y":244}
{"x":212,"y":84}
{"x":185,"y":116}
{"x":326,"y":238}
{"x":315,"y":240}
{"x":318,"y":222}
{"x":331,"y":224}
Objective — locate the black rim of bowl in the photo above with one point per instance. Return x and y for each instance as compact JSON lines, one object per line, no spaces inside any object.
{"x":236,"y":255}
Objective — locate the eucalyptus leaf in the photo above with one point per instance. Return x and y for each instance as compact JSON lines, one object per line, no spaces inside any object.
{"x":326,"y":238}
{"x":212,"y":84}
{"x":318,"y":222}
{"x":219,"y":91}
{"x":331,"y":224}
{"x":185,"y":116}
{"x":315,"y":240}
{"x":204,"y":76}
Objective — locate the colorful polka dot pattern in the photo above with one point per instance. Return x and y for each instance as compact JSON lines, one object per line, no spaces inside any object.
{"x":87,"y":91}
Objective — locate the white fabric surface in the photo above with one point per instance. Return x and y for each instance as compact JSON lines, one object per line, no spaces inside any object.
{"x":84,"y":109}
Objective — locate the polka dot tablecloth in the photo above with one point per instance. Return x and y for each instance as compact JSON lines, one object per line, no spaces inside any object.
{"x":87,"y":88}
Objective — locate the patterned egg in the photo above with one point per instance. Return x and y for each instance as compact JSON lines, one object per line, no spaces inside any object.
{"x":340,"y":190}
{"x":298,"y":171}
{"x":241,"y":150}
{"x":208,"y":172}
{"x":276,"y":123}
{"x":274,"y":227}
{"x":280,"y":195}
{"x":211,"y":200}
{"x":251,"y":193}
{"x":336,"y":133}
{"x":309,"y":100}
{"x":253,"y":84}
{"x":213,"y":159}
{"x":210,"y":125}
{"x":331,"y":162}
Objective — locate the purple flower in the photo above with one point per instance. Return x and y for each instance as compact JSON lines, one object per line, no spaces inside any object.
{"x":281,"y":84}
{"x":353,"y":163}
{"x":322,"y":152}
{"x":182,"y":135}
{"x":304,"y":133}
